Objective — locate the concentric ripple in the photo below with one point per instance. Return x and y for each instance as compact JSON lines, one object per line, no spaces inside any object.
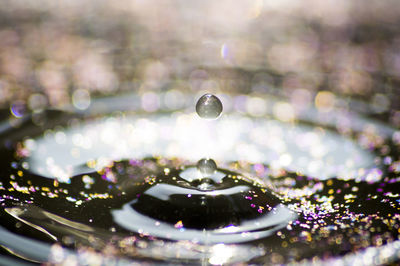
{"x":283,"y":192}
{"x":150,"y":198}
{"x":182,"y":205}
{"x":310,"y":150}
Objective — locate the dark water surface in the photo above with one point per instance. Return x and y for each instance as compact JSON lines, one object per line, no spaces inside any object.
{"x":162,"y":209}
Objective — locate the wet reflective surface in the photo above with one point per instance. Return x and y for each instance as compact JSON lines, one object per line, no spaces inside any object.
{"x":159,"y":209}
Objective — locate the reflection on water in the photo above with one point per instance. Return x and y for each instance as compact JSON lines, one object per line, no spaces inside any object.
{"x":311,"y":150}
{"x":148,"y":205}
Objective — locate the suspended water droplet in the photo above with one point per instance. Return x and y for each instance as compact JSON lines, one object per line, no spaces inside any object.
{"x":209,"y":106}
{"x":206,"y":166}
{"x":170,"y":210}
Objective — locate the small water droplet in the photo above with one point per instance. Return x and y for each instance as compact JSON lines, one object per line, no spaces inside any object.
{"x":209,"y":106}
{"x":206,"y":167}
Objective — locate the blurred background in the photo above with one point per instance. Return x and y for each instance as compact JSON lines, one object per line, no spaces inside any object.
{"x":325,"y":53}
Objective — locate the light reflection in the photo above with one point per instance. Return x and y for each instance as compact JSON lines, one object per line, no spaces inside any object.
{"x":311,"y":150}
{"x":286,"y":48}
{"x":220,"y":254}
{"x":18,"y":109}
{"x":325,"y":101}
{"x":224,"y":51}
{"x":17,"y":212}
{"x":81,"y":99}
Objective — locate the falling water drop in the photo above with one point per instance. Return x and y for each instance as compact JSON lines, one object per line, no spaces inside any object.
{"x":209,"y":106}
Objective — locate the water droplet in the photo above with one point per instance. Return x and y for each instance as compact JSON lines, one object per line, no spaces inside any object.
{"x":169,"y":210}
{"x":209,"y":106}
{"x":219,"y":208}
{"x":206,"y":167}
{"x":216,"y":204}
